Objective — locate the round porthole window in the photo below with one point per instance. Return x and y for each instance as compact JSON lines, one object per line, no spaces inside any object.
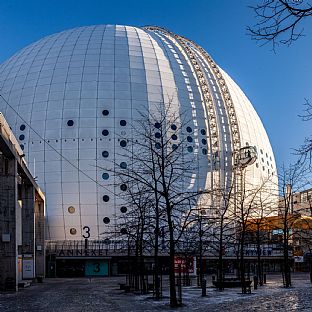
{"x":190,"y":149}
{"x":70,"y":123}
{"x":105,"y":154}
{"x":157,"y":145}
{"x":123,"y":187}
{"x":123,"y":209}
{"x":105,"y":176}
{"x":105,"y":132}
{"x":174,"y":137}
{"x":189,"y":129}
{"x":71,"y":209}
{"x":123,"y":231}
{"x":157,"y":125}
{"x":174,"y":146}
{"x":106,"y":220}
{"x":204,"y":141}
{"x":22,"y":137}
{"x":105,"y":112}
{"x":157,"y":135}
{"x":123,"y":143}
{"x":73,"y":231}
{"x":189,"y":139}
{"x":173,"y":127}
{"x":123,"y":123}
{"x":22,"y":127}
{"x":22,"y":147}
{"x":204,"y":151}
{"x":203,"y":131}
{"x":105,"y":198}
{"x":123,"y":165}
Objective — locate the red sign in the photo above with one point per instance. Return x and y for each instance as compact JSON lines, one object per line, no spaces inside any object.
{"x":185,"y":264}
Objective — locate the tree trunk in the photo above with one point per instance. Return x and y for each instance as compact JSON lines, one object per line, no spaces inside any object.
{"x":220,"y":274}
{"x":286,"y":260}
{"x":259,"y":267}
{"x":242,"y":263}
{"x":173,"y":293}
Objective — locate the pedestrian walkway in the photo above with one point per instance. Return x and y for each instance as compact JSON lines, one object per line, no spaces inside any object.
{"x":103,"y":294}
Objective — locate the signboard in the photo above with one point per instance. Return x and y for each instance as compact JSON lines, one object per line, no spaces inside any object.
{"x":186,"y":264}
{"x":298,"y":259}
{"x":28,"y":269}
{"x":96,"y":268}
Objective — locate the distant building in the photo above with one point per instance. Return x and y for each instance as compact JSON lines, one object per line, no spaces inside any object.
{"x":302,"y":202}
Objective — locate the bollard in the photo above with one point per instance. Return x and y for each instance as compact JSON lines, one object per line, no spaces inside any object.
{"x":204,"y":287}
{"x":255,"y":282}
{"x":264,"y":278}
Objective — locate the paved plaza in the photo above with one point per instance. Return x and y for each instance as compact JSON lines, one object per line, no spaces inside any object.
{"x":103,"y":294}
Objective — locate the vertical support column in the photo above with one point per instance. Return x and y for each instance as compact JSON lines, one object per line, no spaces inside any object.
{"x":28,"y":230}
{"x":8,"y":226}
{"x":39,"y":234}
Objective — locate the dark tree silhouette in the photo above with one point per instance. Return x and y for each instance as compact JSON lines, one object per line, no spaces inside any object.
{"x":279,"y":21}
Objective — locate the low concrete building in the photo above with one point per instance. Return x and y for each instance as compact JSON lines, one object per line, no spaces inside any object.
{"x":22,"y":211}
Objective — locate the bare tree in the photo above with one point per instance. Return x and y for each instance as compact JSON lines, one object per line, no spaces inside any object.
{"x":223,"y":229}
{"x":305,"y":150}
{"x":160,"y":165}
{"x":279,"y":21}
{"x":264,"y":207}
{"x":291,"y":180}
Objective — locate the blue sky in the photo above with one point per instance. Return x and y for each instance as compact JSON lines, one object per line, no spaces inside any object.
{"x":276,"y":84}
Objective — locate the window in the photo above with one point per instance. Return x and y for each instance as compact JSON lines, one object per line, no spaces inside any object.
{"x":105,"y":198}
{"x":157,"y":135}
{"x":123,"y":187}
{"x":22,"y":127}
{"x":190,"y":149}
{"x":203,"y":131}
{"x":71,"y":209}
{"x":157,"y":125}
{"x":173,"y":127}
{"x":123,"y":165}
{"x":123,"y":123}
{"x":123,"y":209}
{"x":174,"y":137}
{"x":174,"y":146}
{"x":105,"y":112}
{"x":105,"y":154}
{"x":22,"y":146}
{"x":204,"y":151}
{"x":189,"y":139}
{"x":73,"y":231}
{"x":105,"y":176}
{"x":204,"y":141}
{"x":304,"y":197}
{"x":70,"y":123}
{"x":22,"y":137}
{"x":106,"y":220}
{"x":105,"y":132}
{"x":123,"y":143}
{"x":123,"y":231}
{"x":189,"y":129}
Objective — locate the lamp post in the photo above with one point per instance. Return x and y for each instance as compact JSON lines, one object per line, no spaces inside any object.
{"x":245,"y":157}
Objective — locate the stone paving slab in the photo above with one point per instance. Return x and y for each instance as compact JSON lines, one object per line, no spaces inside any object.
{"x":103,"y":294}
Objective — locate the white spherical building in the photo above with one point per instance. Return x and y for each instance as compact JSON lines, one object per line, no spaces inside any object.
{"x":71,"y":97}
